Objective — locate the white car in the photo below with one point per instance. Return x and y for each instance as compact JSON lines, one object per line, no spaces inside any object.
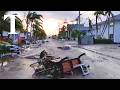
{"x":67,"y":46}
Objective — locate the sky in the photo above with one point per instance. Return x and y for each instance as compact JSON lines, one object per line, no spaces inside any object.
{"x":53,"y":19}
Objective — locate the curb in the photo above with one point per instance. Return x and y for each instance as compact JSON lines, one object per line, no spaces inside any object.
{"x":100,"y":53}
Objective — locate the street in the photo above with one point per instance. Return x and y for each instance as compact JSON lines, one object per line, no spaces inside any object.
{"x":101,"y":65}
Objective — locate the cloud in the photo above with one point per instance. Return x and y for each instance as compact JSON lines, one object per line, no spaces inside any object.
{"x":61,"y":15}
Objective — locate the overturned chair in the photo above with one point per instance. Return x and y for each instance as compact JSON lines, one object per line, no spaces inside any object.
{"x":59,"y":67}
{"x":67,"y":65}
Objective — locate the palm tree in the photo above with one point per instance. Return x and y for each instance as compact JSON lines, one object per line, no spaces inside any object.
{"x":27,"y":20}
{"x":34,"y":18}
{"x":78,"y":34}
{"x":19,"y":25}
{"x":97,"y":14}
{"x":109,"y":14}
{"x":38,"y":33}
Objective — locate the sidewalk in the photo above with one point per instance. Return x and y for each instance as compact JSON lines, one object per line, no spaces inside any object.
{"x":111,"y":50}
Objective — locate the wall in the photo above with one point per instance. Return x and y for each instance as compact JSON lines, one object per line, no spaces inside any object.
{"x":117,"y":33}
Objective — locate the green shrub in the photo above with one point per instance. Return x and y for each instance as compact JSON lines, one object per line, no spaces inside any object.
{"x":4,"y":49}
{"x":103,"y":41}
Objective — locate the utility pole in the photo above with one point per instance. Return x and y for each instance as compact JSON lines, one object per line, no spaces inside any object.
{"x":79,"y":17}
{"x":79,"y":28}
{"x":79,"y":20}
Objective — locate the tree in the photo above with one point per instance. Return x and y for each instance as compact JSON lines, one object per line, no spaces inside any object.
{"x":109,"y":18}
{"x":33,"y":17}
{"x":39,"y":33}
{"x":78,"y":34}
{"x":36,"y":23}
{"x":4,"y":25}
{"x":97,"y":14}
{"x":19,"y":25}
{"x":28,"y":20}
{"x":62,"y":32}
{"x":109,"y":15}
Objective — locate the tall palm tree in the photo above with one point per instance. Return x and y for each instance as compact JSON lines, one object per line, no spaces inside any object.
{"x":33,"y":18}
{"x":28,"y":17}
{"x":97,"y":14}
{"x":28,"y":22}
{"x":38,"y":33}
{"x":109,"y":15}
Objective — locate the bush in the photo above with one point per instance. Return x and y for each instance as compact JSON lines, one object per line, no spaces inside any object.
{"x":103,"y":41}
{"x":4,"y":49}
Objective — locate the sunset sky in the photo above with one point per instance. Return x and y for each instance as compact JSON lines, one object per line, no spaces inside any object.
{"x":53,"y":19}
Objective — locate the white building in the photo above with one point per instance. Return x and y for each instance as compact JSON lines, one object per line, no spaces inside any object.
{"x":108,"y":31}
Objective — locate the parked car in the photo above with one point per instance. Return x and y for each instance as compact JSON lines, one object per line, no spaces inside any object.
{"x":14,"y":48}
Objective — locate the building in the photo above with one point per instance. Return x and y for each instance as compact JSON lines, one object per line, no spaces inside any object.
{"x":16,"y":38}
{"x":72,"y":27}
{"x":108,"y":30}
